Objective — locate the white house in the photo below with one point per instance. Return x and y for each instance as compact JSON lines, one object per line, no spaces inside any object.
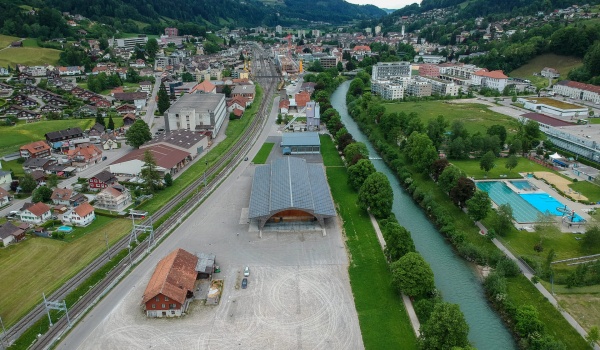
{"x":81,"y":215}
{"x":5,"y":179}
{"x":111,"y":198}
{"x":4,"y":197}
{"x":37,"y":213}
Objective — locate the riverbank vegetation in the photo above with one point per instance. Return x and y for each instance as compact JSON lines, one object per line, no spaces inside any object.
{"x":403,"y":141}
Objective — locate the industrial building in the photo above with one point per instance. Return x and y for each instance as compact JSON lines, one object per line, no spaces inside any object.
{"x":197,"y":112}
{"x":290,"y":190}
{"x":301,"y":143}
{"x":130,"y":43}
{"x":313,"y":115}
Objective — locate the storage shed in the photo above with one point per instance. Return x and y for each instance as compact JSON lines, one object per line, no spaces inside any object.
{"x":302,"y":142}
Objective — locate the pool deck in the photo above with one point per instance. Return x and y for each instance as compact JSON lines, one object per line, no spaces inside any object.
{"x":541,"y":186}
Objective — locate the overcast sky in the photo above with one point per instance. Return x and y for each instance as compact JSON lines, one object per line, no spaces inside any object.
{"x":390,"y":4}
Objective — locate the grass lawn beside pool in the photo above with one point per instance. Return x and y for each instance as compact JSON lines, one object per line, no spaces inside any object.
{"x":263,"y":153}
{"x":29,"y":56}
{"x":472,"y":169}
{"x":384,"y":323}
{"x":38,"y":265}
{"x":588,"y":189}
{"x":13,"y":137}
{"x":476,"y":117}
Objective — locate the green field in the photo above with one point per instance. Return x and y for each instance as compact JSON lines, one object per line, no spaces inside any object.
{"x":30,"y":56}
{"x":330,"y":154}
{"x":13,"y":137}
{"x":5,"y":40}
{"x":476,"y":117}
{"x":39,"y":265}
{"x":263,"y":153}
{"x":563,"y":64}
{"x":30,"y":43}
{"x":588,"y":189}
{"x":472,"y":169}
{"x":384,"y":323}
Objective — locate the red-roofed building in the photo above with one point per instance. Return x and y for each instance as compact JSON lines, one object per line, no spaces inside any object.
{"x":284,"y":106}
{"x":36,"y":214}
{"x":168,"y":160}
{"x":171,"y":286}
{"x":83,"y":156}
{"x":238,"y":112}
{"x":579,"y":91}
{"x":494,"y":80}
{"x":238,"y":102}
{"x":205,"y":87}
{"x":113,"y":198}
{"x":37,"y":149}
{"x":361,"y":50}
{"x":81,"y":215}
{"x":302,"y":98}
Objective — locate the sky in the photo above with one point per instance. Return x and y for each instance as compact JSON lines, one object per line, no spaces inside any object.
{"x":390,"y":4}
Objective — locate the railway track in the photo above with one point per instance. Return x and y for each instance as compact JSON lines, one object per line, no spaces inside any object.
{"x":189,"y":196}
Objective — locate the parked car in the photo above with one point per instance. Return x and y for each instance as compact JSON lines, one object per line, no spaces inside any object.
{"x":244,"y":283}
{"x":246,"y":271}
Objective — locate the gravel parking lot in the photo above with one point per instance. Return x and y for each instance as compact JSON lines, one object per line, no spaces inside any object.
{"x":298,"y":295}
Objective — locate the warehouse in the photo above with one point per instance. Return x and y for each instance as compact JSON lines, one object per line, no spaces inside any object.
{"x":301,"y":143}
{"x":290,"y":190}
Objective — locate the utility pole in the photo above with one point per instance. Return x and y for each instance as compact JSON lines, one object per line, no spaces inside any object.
{"x":107,"y":246}
{"x":205,"y":170}
{"x":2,"y":340}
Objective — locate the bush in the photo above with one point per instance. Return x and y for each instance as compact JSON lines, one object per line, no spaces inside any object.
{"x":507,"y":267}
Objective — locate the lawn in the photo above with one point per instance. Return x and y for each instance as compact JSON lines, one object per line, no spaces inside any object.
{"x":5,"y":40}
{"x":472,"y":169}
{"x":476,"y":117}
{"x":30,"y":43}
{"x":383,"y":320}
{"x":563,"y":64}
{"x":521,"y":292}
{"x":588,"y":189}
{"x":263,"y":154}
{"x":39,"y":265}
{"x":30,"y":56}
{"x":15,"y":166}
{"x":13,"y":137}
{"x":331,"y":157}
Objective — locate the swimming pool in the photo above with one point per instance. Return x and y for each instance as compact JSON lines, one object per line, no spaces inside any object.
{"x":66,"y":229}
{"x":500,"y":193}
{"x":522,"y":185}
{"x":526,"y":207}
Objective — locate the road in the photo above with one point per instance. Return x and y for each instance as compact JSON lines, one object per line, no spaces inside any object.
{"x":151,"y":106}
{"x":110,"y":155}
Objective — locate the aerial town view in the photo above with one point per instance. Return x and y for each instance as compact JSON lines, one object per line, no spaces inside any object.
{"x":361,"y":174}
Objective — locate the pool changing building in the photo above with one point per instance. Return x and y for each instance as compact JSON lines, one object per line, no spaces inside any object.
{"x":290,"y":190}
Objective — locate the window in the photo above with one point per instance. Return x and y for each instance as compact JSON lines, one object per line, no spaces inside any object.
{"x":154,"y":306}
{"x":172,"y":306}
{"x":166,"y":298}
{"x":157,"y":298}
{"x":163,"y":306}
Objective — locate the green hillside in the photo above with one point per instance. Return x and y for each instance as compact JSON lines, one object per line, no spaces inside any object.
{"x":563,"y":64}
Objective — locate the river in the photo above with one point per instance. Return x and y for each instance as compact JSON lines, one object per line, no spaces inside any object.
{"x":455,"y":278}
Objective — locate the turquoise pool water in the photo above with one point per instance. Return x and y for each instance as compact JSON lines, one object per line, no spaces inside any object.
{"x":522,"y":185}
{"x":500,"y":193}
{"x":65,"y":229}
{"x":546,"y":203}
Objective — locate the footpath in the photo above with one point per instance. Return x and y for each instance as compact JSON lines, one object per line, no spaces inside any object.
{"x":414,"y":321}
{"x":526,"y":270}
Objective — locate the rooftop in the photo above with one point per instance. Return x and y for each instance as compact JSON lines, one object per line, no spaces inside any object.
{"x":544,"y":119}
{"x":555,"y":103}
{"x":300,"y":139}
{"x":196,"y":101}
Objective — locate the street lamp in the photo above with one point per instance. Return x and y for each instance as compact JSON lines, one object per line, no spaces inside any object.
{"x":205,"y":170}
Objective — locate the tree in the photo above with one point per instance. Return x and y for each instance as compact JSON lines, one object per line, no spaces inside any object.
{"x":152,"y":48}
{"x":28,"y":183}
{"x":593,"y":336}
{"x":111,"y":123}
{"x":503,"y":221}
{"x":516,"y":146}
{"x":227,"y":91}
{"x":163,"y":99}
{"x":438,"y":167}
{"x":511,"y":162}
{"x":421,"y":151}
{"x":449,"y":178}
{"x":591,"y":239}
{"x":138,"y":134}
{"x":354,"y":149}
{"x":412,"y":275}
{"x":359,"y":172}
{"x":52,"y":181}
{"x":498,"y":130}
{"x":479,"y":205}
{"x":168,"y":180}
{"x":376,"y":195}
{"x":463,"y":191}
{"x":445,"y":329}
{"x":340,"y":66}
{"x":100,"y":119}
{"x":187,"y":77}
{"x":487,"y":162}
{"x":41,"y":194}
{"x":527,"y":321}
{"x":149,"y":173}
{"x":398,"y":241}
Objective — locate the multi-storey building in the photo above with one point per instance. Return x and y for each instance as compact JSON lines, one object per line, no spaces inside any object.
{"x":419,"y":89}
{"x":578,"y":91}
{"x":391,"y":70}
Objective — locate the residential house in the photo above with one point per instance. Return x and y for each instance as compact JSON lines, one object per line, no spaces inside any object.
{"x":68,"y":197}
{"x":237,"y":102}
{"x":247,"y":91}
{"x":64,"y":135}
{"x":284,"y":106}
{"x":81,"y":215}
{"x":171,"y":286}
{"x":146,"y":86}
{"x":138,"y":98}
{"x":128,"y":119}
{"x":10,"y":233}
{"x":102,"y":103}
{"x":548,"y":72}
{"x":101,"y":180}
{"x":112,"y":198}
{"x":37,"y":149}
{"x":206,"y":87}
{"x":69,"y":71}
{"x":39,"y":176}
{"x":302,"y":99}
{"x":38,"y":164}
{"x":36,"y":214}
{"x":5,"y":197}
{"x":87,"y":110}
{"x":124,"y":109}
